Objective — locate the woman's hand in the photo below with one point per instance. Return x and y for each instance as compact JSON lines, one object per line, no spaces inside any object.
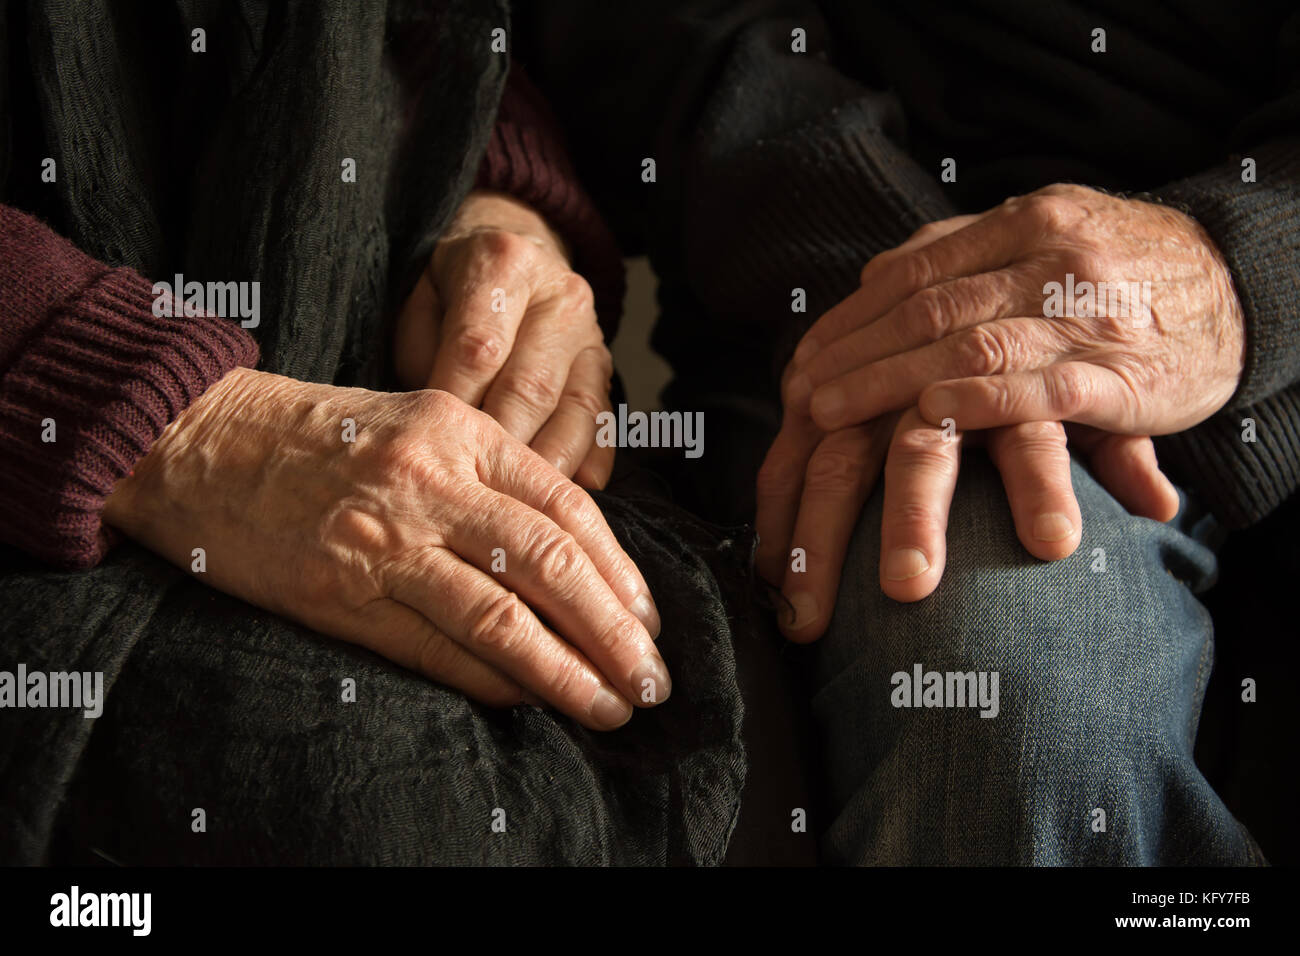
{"x":501,"y":321}
{"x":973,"y":317}
{"x":408,"y":523}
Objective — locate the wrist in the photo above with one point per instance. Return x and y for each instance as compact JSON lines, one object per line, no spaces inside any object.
{"x":194,"y":445}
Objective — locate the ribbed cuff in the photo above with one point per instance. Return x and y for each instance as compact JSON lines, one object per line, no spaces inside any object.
{"x":526,"y":158}
{"x":1240,"y":481}
{"x":1257,"y":228}
{"x":110,"y":376}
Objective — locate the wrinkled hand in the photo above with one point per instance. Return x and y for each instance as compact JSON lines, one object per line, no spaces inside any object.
{"x":959,"y":323}
{"x":813,"y":484}
{"x":390,"y":541}
{"x":501,"y":321}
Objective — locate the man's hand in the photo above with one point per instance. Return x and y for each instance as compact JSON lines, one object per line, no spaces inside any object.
{"x":502,"y":322}
{"x":959,"y":323}
{"x":434,"y":538}
{"x":813,"y":484}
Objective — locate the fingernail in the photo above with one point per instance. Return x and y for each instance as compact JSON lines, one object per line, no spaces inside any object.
{"x":828,"y":405}
{"x":1052,"y":527}
{"x":904,"y":563}
{"x":801,"y":612}
{"x":799,"y":389}
{"x":806,"y":350}
{"x":647,"y":614}
{"x":650,"y":680}
{"x":609,"y":710}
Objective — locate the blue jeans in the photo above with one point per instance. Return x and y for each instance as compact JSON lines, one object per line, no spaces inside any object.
{"x":1101,"y":676}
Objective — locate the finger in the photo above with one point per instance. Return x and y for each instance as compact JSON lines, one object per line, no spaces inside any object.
{"x":982,"y":245}
{"x":1035,"y":467}
{"x":596,"y":468}
{"x":1062,"y":391}
{"x":777,"y":491}
{"x":408,"y":639}
{"x":494,"y":625}
{"x":919,"y":320}
{"x":989,"y":349}
{"x":936,"y":230}
{"x":809,"y":345}
{"x":920,"y":475}
{"x":527,"y":390}
{"x":476,"y":340}
{"x":415,"y":343}
{"x":519,"y":472}
{"x":1126,"y":466}
{"x":840,"y":475}
{"x":569,"y":435}
{"x":548,"y":568}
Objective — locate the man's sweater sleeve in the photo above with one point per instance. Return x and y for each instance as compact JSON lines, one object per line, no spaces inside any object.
{"x":526,"y":157}
{"x":775,"y":176}
{"x":1256,"y":226}
{"x":89,"y":378}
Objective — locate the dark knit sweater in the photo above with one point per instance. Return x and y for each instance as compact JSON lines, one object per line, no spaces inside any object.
{"x":779,"y":169}
{"x":81,"y":347}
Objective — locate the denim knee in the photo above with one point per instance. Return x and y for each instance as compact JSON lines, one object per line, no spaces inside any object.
{"x":1087,"y":676}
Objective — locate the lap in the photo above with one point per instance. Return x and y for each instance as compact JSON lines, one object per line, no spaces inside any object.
{"x":300,"y":749}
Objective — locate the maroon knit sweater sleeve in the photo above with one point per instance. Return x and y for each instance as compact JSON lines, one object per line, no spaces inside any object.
{"x":89,"y":378}
{"x":527,"y":158}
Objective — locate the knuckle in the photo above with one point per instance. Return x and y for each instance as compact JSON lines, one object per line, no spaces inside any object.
{"x":1070,"y":390}
{"x":983,"y":352}
{"x":916,"y":516}
{"x":501,"y":624}
{"x":505,"y":248}
{"x":405,"y":459}
{"x":566,"y":678}
{"x":1048,"y":212}
{"x":921,"y":444}
{"x":567,"y":502}
{"x":556,"y":558}
{"x":1040,"y":434}
{"x":1000,"y":398}
{"x":778,"y":478}
{"x":433,"y":655}
{"x":589,"y":403}
{"x":620,"y":635}
{"x":480,"y":349}
{"x":536,"y":388}
{"x":1082,"y":259}
{"x":931,"y":310}
{"x":915,"y":270}
{"x":834,"y":471}
{"x":577,"y":292}
{"x":1054,"y":431}
{"x":429,"y":405}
